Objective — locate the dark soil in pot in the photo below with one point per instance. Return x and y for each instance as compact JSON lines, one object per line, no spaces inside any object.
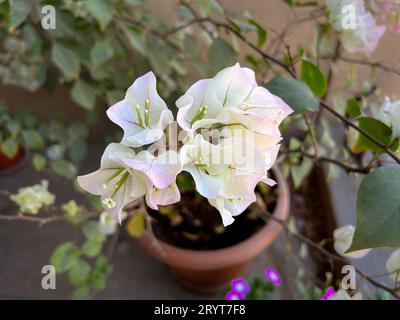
{"x":203,"y":255}
{"x":196,"y":225}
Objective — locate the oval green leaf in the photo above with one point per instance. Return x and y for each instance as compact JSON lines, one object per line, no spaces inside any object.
{"x":378,"y":210}
{"x":294,"y":92}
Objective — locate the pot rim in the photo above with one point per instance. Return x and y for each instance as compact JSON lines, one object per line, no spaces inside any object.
{"x":232,"y":255}
{"x":18,"y":165}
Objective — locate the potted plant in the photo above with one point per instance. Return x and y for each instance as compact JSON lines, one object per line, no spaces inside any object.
{"x":203,"y":255}
{"x":13,"y":154}
{"x":227,"y":140}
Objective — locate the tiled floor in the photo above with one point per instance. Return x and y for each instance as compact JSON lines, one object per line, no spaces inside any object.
{"x":25,"y":248}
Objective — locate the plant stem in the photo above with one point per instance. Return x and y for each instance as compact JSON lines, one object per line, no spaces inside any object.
{"x":328,"y":254}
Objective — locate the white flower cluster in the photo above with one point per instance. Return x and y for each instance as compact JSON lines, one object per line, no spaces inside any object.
{"x":31,"y":199}
{"x":230,"y":141}
{"x":389,"y":113}
{"x":357,"y":27}
{"x":343,"y":238}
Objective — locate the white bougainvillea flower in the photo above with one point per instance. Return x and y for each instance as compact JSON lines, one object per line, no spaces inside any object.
{"x":115,"y":182}
{"x":343,"y":237}
{"x":226,"y":180}
{"x":343,"y":295}
{"x":393,"y":265}
{"x":161,"y":169}
{"x":163,"y":197}
{"x":143,"y":115}
{"x":232,"y":96}
{"x":260,"y":111}
{"x":265,"y":144}
{"x":159,"y":175}
{"x":230,"y":207}
{"x":204,"y":100}
{"x":389,"y":113}
{"x":197,"y":156}
{"x":359,"y":33}
{"x":198,"y":105}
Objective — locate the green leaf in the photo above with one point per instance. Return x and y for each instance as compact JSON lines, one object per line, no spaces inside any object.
{"x":102,"y":264}
{"x":102,"y":10}
{"x":135,"y":38}
{"x":159,"y":60}
{"x":78,"y":130}
{"x":114,"y":96}
{"x":289,"y":2}
{"x":313,"y":77}
{"x":220,"y":55}
{"x":39,"y":162}
{"x":133,"y":2}
{"x":353,"y":108}
{"x":91,"y":248}
{"x":95,"y":203}
{"x":32,"y":38}
{"x":300,"y":172}
{"x":92,"y":232}
{"x":9,"y":148}
{"x":77,"y":151}
{"x":65,"y":25}
{"x":64,"y":256}
{"x":378,"y":210}
{"x":81,"y":293}
{"x":99,"y":280}
{"x":377,"y":130}
{"x":13,"y":128}
{"x":190,"y":44}
{"x":66,"y":60}
{"x":83,"y":94}
{"x":215,"y":6}
{"x":32,"y":139}
{"x":79,"y":273}
{"x":101,"y":52}
{"x":294,"y":92}
{"x":63,"y":168}
{"x":19,"y":11}
{"x":261,"y":33}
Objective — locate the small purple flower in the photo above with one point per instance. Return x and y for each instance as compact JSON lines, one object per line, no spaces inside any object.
{"x":328,"y":293}
{"x":240,"y":286}
{"x":233,"y":295}
{"x":273,"y":276}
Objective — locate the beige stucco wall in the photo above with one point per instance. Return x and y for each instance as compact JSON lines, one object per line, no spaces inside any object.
{"x":273,"y":14}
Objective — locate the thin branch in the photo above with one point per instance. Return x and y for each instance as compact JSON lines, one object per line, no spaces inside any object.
{"x":228,"y":27}
{"x":198,"y":19}
{"x":362,"y":131}
{"x":313,"y":138}
{"x":370,"y":64}
{"x":40,"y":220}
{"x":112,"y":245}
{"x":347,"y":168}
{"x":269,"y":57}
{"x":328,"y":254}
{"x":183,"y":26}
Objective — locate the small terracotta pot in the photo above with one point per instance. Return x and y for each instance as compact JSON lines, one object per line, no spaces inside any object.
{"x":211,"y":270}
{"x":10,"y":166}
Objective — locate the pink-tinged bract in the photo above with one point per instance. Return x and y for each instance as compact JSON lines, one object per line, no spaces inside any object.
{"x":330,"y":292}
{"x":233,"y":295}
{"x":273,"y":276}
{"x":240,"y":285}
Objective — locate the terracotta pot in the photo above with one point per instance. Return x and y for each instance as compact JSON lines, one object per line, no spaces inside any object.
{"x":210,"y":270}
{"x":9,"y":166}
